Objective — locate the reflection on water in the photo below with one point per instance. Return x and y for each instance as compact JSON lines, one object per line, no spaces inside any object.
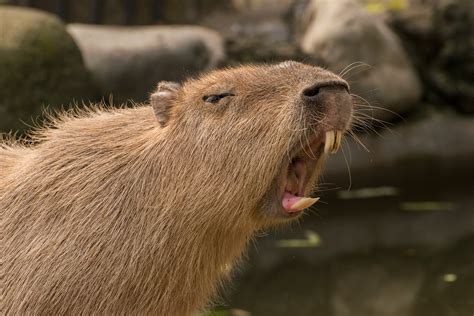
{"x":410,"y":252}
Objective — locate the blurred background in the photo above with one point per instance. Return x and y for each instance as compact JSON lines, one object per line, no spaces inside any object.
{"x":394,"y":231}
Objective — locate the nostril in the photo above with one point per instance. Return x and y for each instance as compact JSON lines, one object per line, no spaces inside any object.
{"x":315,"y":90}
{"x":311,"y":91}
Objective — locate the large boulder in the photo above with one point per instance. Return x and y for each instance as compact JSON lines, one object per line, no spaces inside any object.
{"x":342,"y":33}
{"x":256,"y":32}
{"x":136,"y":12}
{"x":439,"y":37}
{"x":409,"y":153}
{"x":127,"y":62}
{"x":40,"y":65}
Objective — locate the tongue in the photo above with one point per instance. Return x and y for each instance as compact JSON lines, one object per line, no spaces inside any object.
{"x":292,"y":203}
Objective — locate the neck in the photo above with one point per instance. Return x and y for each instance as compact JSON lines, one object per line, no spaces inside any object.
{"x":193,"y":250}
{"x":195,"y":233}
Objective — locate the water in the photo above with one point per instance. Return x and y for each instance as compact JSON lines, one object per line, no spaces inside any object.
{"x":401,"y":251}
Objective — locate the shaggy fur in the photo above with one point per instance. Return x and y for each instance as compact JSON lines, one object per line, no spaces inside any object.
{"x":116,"y":212}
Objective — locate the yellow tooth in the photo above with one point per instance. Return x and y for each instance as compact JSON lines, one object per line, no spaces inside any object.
{"x":337,"y":142}
{"x":304,"y":203}
{"x":329,"y":142}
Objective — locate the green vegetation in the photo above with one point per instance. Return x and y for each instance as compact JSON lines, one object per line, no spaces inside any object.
{"x":379,"y":6}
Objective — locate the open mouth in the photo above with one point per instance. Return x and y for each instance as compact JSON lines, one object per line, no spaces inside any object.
{"x":304,"y":168}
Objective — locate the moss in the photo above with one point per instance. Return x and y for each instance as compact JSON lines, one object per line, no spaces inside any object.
{"x":41,"y":67}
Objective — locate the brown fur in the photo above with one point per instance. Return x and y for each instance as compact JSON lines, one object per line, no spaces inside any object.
{"x":116,"y":212}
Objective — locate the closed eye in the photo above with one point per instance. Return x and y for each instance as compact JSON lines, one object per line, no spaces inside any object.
{"x":215,"y":98}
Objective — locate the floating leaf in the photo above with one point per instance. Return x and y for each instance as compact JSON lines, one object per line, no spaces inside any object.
{"x":366,"y":193}
{"x":312,"y":240}
{"x":239,"y":312}
{"x":426,"y":206}
{"x":450,"y":277}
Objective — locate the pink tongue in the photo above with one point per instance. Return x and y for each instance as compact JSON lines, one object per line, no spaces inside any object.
{"x":288,"y":201}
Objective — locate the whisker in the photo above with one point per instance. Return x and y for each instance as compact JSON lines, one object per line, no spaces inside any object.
{"x":351,"y":67}
{"x":368,"y":105}
{"x":303,"y":147}
{"x":348,"y":168}
{"x":362,"y":124}
{"x":354,"y":74}
{"x":348,"y":149}
{"x":292,"y":136}
{"x":357,"y":139}
{"x":363,"y":119}
{"x":313,"y":155}
{"x":343,"y":71}
{"x":327,"y":190}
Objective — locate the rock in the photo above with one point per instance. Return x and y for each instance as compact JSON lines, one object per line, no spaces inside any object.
{"x":409,"y":153}
{"x":342,"y":34}
{"x":262,"y":5}
{"x":252,"y":50}
{"x":254,"y":35}
{"x":257,"y":31}
{"x":438,"y":35}
{"x":40,"y":66}
{"x":136,"y":12}
{"x":270,"y":29}
{"x":128,"y":61}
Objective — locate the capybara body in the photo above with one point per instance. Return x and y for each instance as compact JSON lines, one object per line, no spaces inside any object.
{"x":144,"y":210}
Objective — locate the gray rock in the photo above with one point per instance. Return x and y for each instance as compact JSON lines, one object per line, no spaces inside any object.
{"x":40,"y":66}
{"x":342,"y":33}
{"x":439,"y":36}
{"x":262,"y":5}
{"x":270,"y":30}
{"x":136,"y":12}
{"x":438,"y":147}
{"x":127,"y":62}
{"x":254,"y":35}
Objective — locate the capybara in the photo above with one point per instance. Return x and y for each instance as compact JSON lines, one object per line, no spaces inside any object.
{"x":144,"y":210}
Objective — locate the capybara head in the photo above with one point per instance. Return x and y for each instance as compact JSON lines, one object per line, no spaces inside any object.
{"x":259,"y":132}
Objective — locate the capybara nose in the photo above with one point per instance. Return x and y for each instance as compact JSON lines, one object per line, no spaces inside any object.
{"x":317,"y":91}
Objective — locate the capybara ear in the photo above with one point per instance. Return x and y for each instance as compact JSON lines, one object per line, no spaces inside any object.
{"x":162,"y":99}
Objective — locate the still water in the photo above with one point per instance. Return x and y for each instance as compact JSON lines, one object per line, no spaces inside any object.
{"x":382,"y":251}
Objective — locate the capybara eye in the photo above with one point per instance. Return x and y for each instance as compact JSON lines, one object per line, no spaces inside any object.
{"x":211,"y":98}
{"x":214,"y":98}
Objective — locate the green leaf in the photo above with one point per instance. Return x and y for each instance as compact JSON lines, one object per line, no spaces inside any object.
{"x":426,"y":206}
{"x":366,"y":193}
{"x":312,"y":240}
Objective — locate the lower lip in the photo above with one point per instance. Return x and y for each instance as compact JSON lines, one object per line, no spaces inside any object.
{"x":292,"y":214}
